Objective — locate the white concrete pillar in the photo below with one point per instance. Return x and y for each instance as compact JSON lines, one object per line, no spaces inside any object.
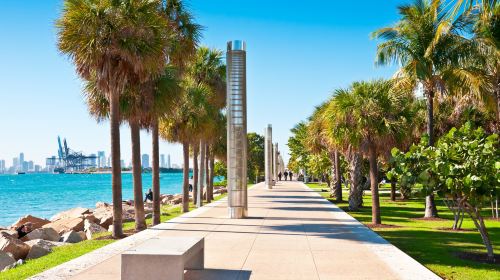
{"x":236,"y":129}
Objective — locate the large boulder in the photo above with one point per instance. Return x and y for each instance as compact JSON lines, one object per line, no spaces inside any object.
{"x":175,"y":200}
{"x":44,"y":243}
{"x":90,"y":217}
{"x":6,"y":260}
{"x":44,"y":233}
{"x":66,"y":224}
{"x":92,"y":228}
{"x":35,"y":221}
{"x":37,"y":251}
{"x":14,"y":246}
{"x":103,"y":216}
{"x":71,"y":237}
{"x":78,"y":212}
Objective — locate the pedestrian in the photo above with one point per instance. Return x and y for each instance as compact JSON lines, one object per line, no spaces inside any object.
{"x":149,"y":196}
{"x":279,"y":176}
{"x":286,"y":175}
{"x":290,"y":174}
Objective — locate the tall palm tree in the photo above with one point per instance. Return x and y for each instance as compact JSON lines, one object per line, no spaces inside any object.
{"x":207,"y":68}
{"x":138,"y":106}
{"x":372,"y":119}
{"x":431,"y":52}
{"x":92,"y":33}
{"x":184,"y":38}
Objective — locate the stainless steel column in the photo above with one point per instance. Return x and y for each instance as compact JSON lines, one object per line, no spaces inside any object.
{"x":236,"y":129}
{"x":268,"y":154}
{"x":275,"y":163}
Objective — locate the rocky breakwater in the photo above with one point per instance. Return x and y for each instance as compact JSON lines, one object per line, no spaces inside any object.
{"x":68,"y":227}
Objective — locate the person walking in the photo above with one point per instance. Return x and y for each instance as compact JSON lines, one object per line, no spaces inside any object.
{"x":279,"y":176}
{"x":290,"y":174}
{"x":286,"y":175}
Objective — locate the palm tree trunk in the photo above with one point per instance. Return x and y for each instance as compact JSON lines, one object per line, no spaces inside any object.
{"x":196,"y":149}
{"x":376,"y":219}
{"x":430,"y":204}
{"x":393,"y":190}
{"x":430,"y":117}
{"x":185,"y":181}
{"x":207,"y":176}
{"x":140,"y":223}
{"x":156,"y":172}
{"x":356,"y":190}
{"x":212,"y":174}
{"x":201,"y":177}
{"x":116,"y":170}
{"x":337,"y":184}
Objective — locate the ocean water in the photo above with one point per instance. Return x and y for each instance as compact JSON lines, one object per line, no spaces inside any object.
{"x":44,"y":195}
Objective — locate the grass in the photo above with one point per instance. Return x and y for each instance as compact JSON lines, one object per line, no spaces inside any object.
{"x":427,"y":241}
{"x":66,"y":253}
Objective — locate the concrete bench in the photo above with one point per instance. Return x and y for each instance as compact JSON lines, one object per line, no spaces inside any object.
{"x":163,"y":258}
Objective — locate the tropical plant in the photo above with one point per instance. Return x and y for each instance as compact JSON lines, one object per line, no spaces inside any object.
{"x":432,"y":54}
{"x":255,"y":155}
{"x":372,"y":118}
{"x":318,"y":143}
{"x":220,"y":169}
{"x":297,"y":146}
{"x":464,"y":167}
{"x":93,"y":34}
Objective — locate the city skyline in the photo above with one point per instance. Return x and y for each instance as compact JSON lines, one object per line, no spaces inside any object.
{"x":19,"y":164}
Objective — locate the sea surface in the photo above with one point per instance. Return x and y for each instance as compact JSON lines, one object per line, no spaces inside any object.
{"x":44,"y":195}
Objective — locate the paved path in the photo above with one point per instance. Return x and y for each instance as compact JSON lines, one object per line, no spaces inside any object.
{"x":292,"y":233}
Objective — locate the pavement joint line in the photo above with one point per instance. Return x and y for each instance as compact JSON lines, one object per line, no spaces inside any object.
{"x":253,"y":242}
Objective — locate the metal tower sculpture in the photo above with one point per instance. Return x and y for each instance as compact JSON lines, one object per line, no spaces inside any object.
{"x":268,"y":155}
{"x":236,"y":129}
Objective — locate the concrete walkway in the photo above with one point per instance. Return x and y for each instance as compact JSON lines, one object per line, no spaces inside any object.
{"x":292,"y":233}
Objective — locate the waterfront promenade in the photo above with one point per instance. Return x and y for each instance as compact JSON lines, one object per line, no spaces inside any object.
{"x":292,"y":233}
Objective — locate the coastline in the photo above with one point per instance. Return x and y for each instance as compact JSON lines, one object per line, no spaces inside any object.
{"x":45,"y":195}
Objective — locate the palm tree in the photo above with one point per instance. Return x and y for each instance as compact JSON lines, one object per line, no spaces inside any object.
{"x":138,"y":106}
{"x":207,"y":68}
{"x":431,"y":52}
{"x":183,"y":124}
{"x":318,"y":141}
{"x":184,"y":38}
{"x":372,"y":119}
{"x":91,"y":33}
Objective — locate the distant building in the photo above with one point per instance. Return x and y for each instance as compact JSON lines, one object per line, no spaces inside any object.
{"x":162,"y":161}
{"x":2,"y":166}
{"x":21,"y":162}
{"x":30,"y":166}
{"x":145,"y":161}
{"x":38,"y":168}
{"x":122,"y":163}
{"x":15,"y":164}
{"x":101,"y":159}
{"x":168,"y":161}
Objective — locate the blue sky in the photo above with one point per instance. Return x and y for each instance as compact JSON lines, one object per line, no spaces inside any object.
{"x":298,"y":53}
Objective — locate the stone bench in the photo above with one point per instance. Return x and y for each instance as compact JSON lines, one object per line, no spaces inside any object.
{"x":163,"y":258}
